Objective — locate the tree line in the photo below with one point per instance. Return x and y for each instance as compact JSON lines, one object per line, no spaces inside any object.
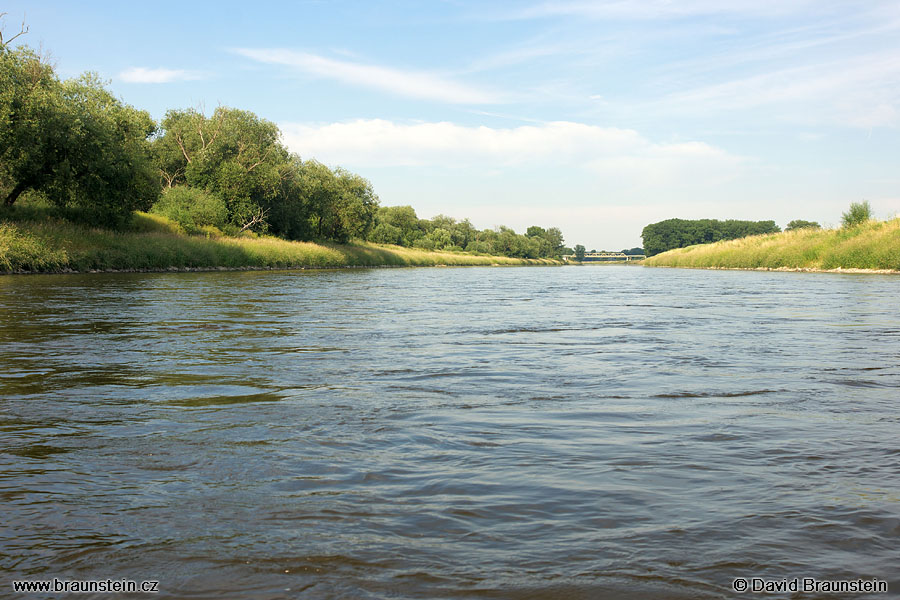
{"x":77,"y":146}
{"x":399,"y":225}
{"x":678,"y":233}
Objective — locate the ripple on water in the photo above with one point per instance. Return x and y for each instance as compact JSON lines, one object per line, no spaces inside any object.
{"x":576,"y":433}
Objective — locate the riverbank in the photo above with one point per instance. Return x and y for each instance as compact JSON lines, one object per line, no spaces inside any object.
{"x":155,"y":244}
{"x":872,"y":247}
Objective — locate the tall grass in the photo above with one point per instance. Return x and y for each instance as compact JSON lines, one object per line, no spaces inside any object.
{"x":155,"y":243}
{"x":868,"y":245}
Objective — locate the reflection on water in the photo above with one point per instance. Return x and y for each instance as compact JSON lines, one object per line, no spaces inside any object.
{"x":450,"y":433}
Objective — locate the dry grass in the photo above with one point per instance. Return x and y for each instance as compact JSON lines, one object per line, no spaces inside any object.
{"x":871,"y":245}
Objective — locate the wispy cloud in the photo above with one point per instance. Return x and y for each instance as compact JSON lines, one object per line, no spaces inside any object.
{"x":412,"y":84}
{"x":859,"y":91}
{"x":662,"y":9}
{"x":158,"y":75}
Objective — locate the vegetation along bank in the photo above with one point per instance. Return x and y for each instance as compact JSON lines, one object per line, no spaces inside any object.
{"x":155,"y":243}
{"x":862,"y":243}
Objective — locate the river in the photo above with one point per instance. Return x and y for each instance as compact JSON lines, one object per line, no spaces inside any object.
{"x":593,"y":432}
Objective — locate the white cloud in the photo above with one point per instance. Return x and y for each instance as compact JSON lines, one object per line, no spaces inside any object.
{"x":413,"y":84}
{"x":609,"y":153}
{"x":159,"y":75}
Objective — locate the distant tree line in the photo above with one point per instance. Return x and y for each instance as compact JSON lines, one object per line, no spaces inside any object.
{"x":399,"y":225}
{"x":75,"y":145}
{"x":678,"y":233}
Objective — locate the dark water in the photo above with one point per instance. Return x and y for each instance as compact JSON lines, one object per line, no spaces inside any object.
{"x":596,"y":432}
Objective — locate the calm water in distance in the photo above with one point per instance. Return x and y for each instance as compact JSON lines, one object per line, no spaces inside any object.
{"x":594,"y":432}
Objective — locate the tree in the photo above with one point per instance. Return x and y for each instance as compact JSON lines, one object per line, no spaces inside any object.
{"x":233,"y":154}
{"x":396,"y":225}
{"x":73,"y":141}
{"x":579,"y":252}
{"x":32,"y":123}
{"x":355,"y":212}
{"x":105,"y":164}
{"x":440,"y":238}
{"x":801,"y":224}
{"x":554,"y":238}
{"x":4,"y":43}
{"x":859,"y":213}
{"x":463,"y":232}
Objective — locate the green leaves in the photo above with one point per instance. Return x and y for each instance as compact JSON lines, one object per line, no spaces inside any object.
{"x":801,"y":224}
{"x":73,"y":141}
{"x":859,"y":213}
{"x":399,"y":225}
{"x":238,"y":157}
{"x":191,"y":208}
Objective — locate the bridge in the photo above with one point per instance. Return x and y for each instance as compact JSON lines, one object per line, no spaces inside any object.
{"x":605,"y":257}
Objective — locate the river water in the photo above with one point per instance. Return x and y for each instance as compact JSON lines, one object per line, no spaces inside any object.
{"x":594,"y":432}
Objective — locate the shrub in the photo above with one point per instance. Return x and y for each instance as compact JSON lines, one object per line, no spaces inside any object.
{"x":859,"y":213}
{"x":211,"y":231}
{"x":801,"y":224}
{"x":191,"y":208}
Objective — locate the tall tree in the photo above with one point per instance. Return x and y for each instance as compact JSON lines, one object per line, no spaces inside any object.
{"x":232,"y":153}
{"x":73,"y":141}
{"x":579,"y":252}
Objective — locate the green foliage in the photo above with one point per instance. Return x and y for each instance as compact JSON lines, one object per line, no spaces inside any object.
{"x":396,"y":225}
{"x":579,"y":252}
{"x":191,"y":208}
{"x":73,"y":141}
{"x":678,"y":233}
{"x":859,"y":213}
{"x":399,"y":225}
{"x":634,"y":252}
{"x":233,"y":154}
{"x":801,"y":224}
{"x":342,"y":204}
{"x":238,"y":157}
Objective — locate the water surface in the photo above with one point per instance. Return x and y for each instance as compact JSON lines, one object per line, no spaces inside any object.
{"x":595,"y":432}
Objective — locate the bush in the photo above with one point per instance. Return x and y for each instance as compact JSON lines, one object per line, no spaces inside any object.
{"x":801,"y":224}
{"x":859,"y":213}
{"x":192,"y":208}
{"x":211,"y":231}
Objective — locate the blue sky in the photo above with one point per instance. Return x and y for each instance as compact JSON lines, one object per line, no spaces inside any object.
{"x":597,"y":117}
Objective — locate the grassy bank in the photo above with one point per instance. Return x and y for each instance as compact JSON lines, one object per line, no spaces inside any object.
{"x":874,"y":245}
{"x":53,"y":245}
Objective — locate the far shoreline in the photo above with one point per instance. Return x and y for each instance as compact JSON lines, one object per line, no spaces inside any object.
{"x":838,"y":270}
{"x":868,"y":247}
{"x":266,"y":268}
